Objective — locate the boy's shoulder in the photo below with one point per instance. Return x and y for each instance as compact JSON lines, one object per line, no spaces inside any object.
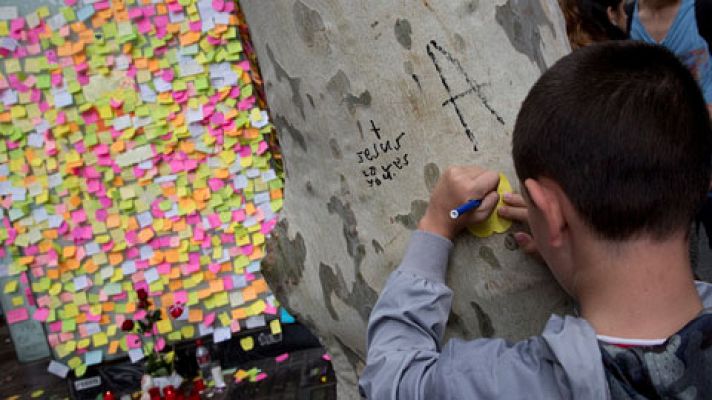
{"x":564,"y":361}
{"x":677,"y":368}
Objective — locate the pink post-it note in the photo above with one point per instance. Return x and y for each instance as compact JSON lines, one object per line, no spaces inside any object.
{"x":133,"y":341}
{"x":116,"y":103}
{"x":282,"y":357}
{"x":167,"y":74}
{"x":16,"y":315}
{"x":180,"y":297}
{"x":55,"y":326}
{"x":41,"y":314}
{"x":17,"y":24}
{"x":209,"y":319}
{"x":160,"y":344}
{"x":141,"y":314}
{"x":218,"y":5}
{"x":135,"y":13}
{"x":214,"y":268}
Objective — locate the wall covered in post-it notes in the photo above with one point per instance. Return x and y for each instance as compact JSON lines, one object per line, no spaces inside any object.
{"x":133,"y":155}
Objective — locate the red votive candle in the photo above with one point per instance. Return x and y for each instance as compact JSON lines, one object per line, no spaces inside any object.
{"x":198,"y":384}
{"x":155,"y":393}
{"x":169,"y":392}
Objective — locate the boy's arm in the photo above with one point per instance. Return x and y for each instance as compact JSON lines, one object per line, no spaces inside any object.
{"x":406,"y":326}
{"x":407,"y":323}
{"x":407,"y":359}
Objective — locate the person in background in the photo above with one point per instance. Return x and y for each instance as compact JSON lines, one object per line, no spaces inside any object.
{"x":591,"y":21}
{"x":684,"y":27}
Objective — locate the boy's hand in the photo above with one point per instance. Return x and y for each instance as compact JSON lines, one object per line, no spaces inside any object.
{"x":516,"y":210}
{"x":455,"y":187}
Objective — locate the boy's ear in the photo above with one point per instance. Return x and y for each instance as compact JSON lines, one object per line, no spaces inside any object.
{"x":543,"y":196}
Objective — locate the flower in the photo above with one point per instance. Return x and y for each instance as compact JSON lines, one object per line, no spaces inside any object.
{"x":142,"y":294}
{"x":127,"y":325}
{"x":176,"y":310}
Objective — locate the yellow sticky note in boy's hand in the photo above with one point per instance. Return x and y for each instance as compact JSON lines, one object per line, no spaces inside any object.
{"x":495,"y":223}
{"x":247,"y":343}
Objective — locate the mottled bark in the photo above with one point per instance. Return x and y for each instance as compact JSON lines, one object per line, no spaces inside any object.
{"x":372,"y":99}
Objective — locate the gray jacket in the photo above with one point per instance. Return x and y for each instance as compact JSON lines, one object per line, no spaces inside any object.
{"x":407,"y":359}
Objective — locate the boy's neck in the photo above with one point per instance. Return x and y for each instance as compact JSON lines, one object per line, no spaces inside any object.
{"x":641,"y":290}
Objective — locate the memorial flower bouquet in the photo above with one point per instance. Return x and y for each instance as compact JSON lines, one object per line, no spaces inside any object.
{"x":158,"y":362}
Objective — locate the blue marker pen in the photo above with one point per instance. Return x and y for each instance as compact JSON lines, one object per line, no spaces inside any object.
{"x":469,"y":206}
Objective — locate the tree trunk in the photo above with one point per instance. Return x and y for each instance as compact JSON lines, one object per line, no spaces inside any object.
{"x":372,"y":100}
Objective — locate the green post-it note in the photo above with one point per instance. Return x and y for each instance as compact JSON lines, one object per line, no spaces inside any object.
{"x":202,"y":83}
{"x":68,"y":14}
{"x":69,"y":325}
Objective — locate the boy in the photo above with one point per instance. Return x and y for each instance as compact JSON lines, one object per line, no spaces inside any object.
{"x":612,"y":146}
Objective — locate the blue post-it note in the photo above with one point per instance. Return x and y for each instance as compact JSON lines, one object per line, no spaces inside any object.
{"x":85,"y":12}
{"x":285,"y":317}
{"x":93,"y":357}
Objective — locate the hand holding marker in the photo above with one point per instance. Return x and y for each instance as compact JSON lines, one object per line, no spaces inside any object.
{"x":469,"y":206}
{"x":493,"y":223}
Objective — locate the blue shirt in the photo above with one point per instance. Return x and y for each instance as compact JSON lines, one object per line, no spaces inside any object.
{"x":683,"y":39}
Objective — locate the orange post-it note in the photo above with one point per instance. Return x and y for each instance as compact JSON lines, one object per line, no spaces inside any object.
{"x":495,"y":223}
{"x":195,"y":315}
{"x":113,"y":347}
{"x":249,"y":293}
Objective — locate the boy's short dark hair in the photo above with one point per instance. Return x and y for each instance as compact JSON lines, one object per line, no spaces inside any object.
{"x":624,"y":129}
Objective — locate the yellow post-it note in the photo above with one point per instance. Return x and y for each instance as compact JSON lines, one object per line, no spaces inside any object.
{"x":247,"y":343}
{"x":74,"y":362}
{"x":61,"y":351}
{"x":225,"y":319}
{"x":275,"y":327}
{"x":164,"y":326}
{"x":17,"y":301}
{"x":80,"y":370}
{"x":187,"y":331}
{"x":83,"y":343}
{"x":100,"y":339}
{"x":495,"y":223}
{"x":10,"y":286}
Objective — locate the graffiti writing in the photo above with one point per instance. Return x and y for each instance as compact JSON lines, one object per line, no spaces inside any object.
{"x":382,"y":158}
{"x":471,"y":87}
